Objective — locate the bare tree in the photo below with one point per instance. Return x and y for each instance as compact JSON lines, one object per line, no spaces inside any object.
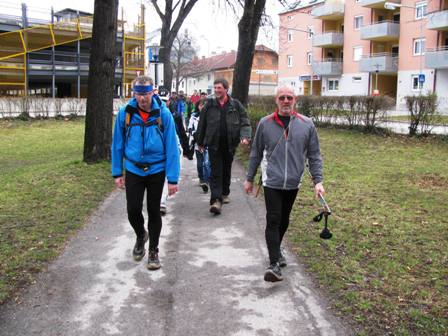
{"x":253,"y":17}
{"x":170,"y":30}
{"x":182,"y":54}
{"x":99,"y":111}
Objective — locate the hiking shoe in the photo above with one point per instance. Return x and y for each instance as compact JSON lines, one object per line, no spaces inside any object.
{"x":281,"y":259}
{"x":204,"y":187}
{"x":139,"y":248}
{"x":162,"y":210}
{"x":225,"y":199}
{"x":216,"y":208}
{"x":153,"y":260}
{"x":273,"y":273}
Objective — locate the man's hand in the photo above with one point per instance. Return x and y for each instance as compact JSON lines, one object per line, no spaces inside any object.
{"x":172,"y":189}
{"x":244,"y":141}
{"x":201,"y":148}
{"x":248,"y":187}
{"x":319,"y":189}
{"x":119,"y":182}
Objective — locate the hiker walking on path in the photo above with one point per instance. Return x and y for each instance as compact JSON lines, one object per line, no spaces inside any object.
{"x":145,"y":138}
{"x":284,"y":140}
{"x":222,"y":126}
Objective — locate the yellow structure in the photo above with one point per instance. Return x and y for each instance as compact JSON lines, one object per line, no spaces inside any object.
{"x":15,"y":45}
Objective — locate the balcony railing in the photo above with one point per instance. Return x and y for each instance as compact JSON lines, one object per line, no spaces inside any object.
{"x":376,"y":3}
{"x":328,"y":67}
{"x":381,"y":63}
{"x":438,"y":20}
{"x":437,"y":58}
{"x":329,"y":11}
{"x":328,"y":39}
{"x":381,"y":31}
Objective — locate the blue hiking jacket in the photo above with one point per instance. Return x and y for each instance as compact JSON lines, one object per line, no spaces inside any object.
{"x":146,"y":144}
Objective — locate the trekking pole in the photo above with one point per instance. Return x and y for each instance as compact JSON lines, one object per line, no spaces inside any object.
{"x":326,"y":211}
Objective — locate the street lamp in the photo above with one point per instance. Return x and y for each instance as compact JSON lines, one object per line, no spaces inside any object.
{"x":393,"y":6}
{"x":155,"y":48}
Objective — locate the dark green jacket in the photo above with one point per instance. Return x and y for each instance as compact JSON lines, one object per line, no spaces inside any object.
{"x":237,"y":122}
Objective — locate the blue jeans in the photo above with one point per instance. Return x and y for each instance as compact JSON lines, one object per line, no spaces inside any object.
{"x":199,"y":164}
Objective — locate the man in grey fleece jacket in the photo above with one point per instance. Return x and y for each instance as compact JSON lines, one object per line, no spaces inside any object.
{"x":283,"y":142}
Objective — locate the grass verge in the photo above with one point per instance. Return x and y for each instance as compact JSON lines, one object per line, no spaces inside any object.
{"x":47,"y":193}
{"x":386,"y":267}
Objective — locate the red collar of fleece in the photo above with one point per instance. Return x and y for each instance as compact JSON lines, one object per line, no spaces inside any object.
{"x":278,"y":120}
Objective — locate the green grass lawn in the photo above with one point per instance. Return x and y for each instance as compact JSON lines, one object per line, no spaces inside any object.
{"x":46,"y":193}
{"x":386,"y":267}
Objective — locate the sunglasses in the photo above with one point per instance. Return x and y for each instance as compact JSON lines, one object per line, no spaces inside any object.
{"x":282,"y":98}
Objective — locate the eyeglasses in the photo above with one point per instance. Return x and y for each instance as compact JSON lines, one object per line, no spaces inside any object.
{"x":282,"y":98}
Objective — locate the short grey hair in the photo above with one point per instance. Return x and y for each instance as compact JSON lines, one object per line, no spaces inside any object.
{"x":142,"y":80}
{"x":284,"y":87}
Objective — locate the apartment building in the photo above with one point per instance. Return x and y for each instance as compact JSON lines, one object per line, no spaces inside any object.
{"x":202,"y":72}
{"x":362,"y":47}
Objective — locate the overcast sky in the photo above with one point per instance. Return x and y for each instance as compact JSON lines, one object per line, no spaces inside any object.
{"x":214,"y":27}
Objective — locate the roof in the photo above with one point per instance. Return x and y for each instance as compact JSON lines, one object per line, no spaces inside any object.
{"x":301,"y":4}
{"x":66,"y":11}
{"x":219,"y":62}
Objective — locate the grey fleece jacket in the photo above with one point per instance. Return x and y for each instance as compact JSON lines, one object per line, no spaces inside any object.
{"x":283,"y":153}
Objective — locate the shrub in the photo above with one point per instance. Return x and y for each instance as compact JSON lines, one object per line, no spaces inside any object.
{"x":422,"y":110}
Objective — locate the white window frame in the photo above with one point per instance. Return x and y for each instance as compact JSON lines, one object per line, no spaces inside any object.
{"x":419,"y":84}
{"x":419,"y":51}
{"x":290,"y":17}
{"x":335,"y":86}
{"x":289,"y":61}
{"x":360,"y":23}
{"x":290,"y":35}
{"x":309,"y":58}
{"x":357,"y":56}
{"x":421,"y":10}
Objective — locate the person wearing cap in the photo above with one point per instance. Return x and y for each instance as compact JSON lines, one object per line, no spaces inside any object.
{"x":145,"y":146}
{"x":283,"y":142}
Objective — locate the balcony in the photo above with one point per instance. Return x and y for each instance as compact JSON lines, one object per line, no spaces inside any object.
{"x":437,"y":58}
{"x":328,"y":67}
{"x":438,"y":20}
{"x":328,"y":39}
{"x":385,"y":63}
{"x":381,"y":31}
{"x":329,"y":11}
{"x":376,"y":3}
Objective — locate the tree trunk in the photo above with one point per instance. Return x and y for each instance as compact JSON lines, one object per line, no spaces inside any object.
{"x":99,"y":110}
{"x":247,"y":38}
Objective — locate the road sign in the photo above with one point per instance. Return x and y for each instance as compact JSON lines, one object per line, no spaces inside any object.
{"x":421,"y":78}
{"x":266,"y":72}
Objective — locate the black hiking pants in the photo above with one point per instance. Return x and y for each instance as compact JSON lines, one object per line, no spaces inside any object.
{"x":136,"y":186}
{"x":278,"y":208}
{"x":221,"y":164}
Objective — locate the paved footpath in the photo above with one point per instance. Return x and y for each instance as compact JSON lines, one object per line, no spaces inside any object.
{"x":210,"y":283}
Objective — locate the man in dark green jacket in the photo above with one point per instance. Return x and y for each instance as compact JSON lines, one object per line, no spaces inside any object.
{"x":222,"y":126}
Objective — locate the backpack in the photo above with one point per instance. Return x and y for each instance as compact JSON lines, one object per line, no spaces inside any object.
{"x":130,"y":110}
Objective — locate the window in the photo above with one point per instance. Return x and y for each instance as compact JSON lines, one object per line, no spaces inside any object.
{"x":289,"y":61}
{"x":421,"y":10}
{"x":209,"y":77}
{"x":290,"y":17}
{"x":357,"y":53}
{"x":357,"y":79}
{"x":293,"y":83}
{"x":358,"y":22}
{"x":309,"y":58}
{"x":333,"y":84}
{"x":289,"y":35}
{"x":419,"y":46}
{"x":416,"y":85}
{"x":310,"y":32}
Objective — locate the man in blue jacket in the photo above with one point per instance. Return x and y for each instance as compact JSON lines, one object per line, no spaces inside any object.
{"x":145,"y":140}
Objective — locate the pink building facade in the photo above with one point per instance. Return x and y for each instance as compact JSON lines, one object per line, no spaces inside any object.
{"x":362,"y":47}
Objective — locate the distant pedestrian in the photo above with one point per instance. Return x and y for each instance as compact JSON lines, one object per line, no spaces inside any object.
{"x":283,"y":142}
{"x":145,"y":139}
{"x":223,"y":124}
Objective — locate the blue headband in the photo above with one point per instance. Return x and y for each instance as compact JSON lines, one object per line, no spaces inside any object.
{"x":142,"y":89}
